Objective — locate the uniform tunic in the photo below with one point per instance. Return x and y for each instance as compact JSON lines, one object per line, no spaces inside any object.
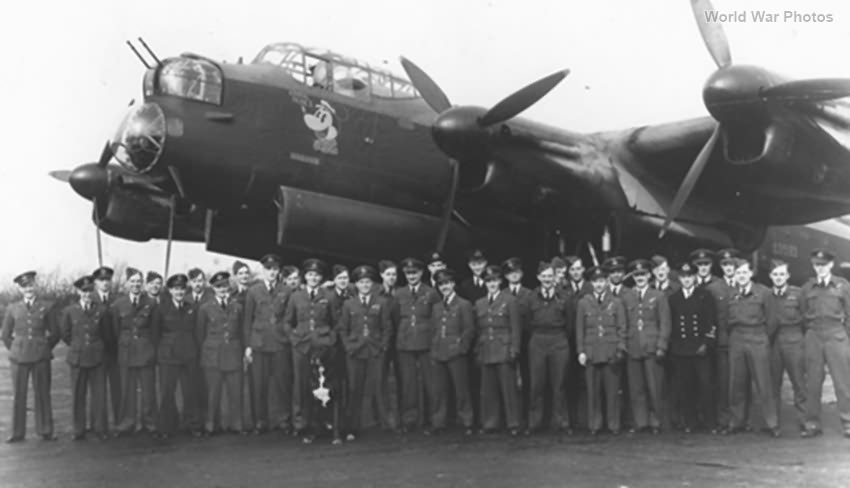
{"x":498,"y":327}
{"x":551,"y":325}
{"x":30,"y":333}
{"x":521,"y":294}
{"x":691,"y":339}
{"x":271,"y":366}
{"x":826,"y":312}
{"x":454,"y":329}
{"x":87,"y":332}
{"x":751,"y":323}
{"x":412,"y":312}
{"x":309,"y":323}
{"x":222,"y":349}
{"x":177,"y":357}
{"x":364,"y":330}
{"x":722,"y":292}
{"x":133,"y":326}
{"x":788,"y":348}
{"x":648,"y":333}
{"x":110,"y":360}
{"x":600,"y":335}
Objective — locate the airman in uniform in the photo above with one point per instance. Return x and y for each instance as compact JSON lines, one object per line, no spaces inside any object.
{"x":454,"y":329}
{"x":722,"y":291}
{"x":662,"y":282}
{"x":512,"y":269}
{"x":132,"y":322}
{"x":413,"y":314}
{"x":218,"y":333}
{"x":267,"y":345}
{"x":575,"y":287}
{"x":291,"y":276}
{"x":498,"y":323}
{"x":551,"y":317}
{"x":86,"y":329}
{"x":703,"y":259}
{"x":661,"y":275}
{"x":692,"y":310}
{"x":309,"y":322}
{"x":29,"y":332}
{"x":389,"y":416}
{"x":648,"y":333}
{"x":103,"y":297}
{"x":198,"y":288}
{"x":560,"y":267}
{"x":153,"y":286}
{"x":601,"y":338}
{"x":365,"y":330}
{"x":751,"y":324}
{"x":178,"y":359}
{"x":615,"y":267}
{"x":473,"y":287}
{"x":787,"y":350}
{"x":342,"y":288}
{"x":242,"y":275}
{"x":435,"y":263}
{"x":826,"y":312}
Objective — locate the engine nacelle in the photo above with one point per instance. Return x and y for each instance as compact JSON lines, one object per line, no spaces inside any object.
{"x":140,"y":217}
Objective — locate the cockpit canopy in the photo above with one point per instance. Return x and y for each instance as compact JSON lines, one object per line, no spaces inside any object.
{"x":328,"y":70}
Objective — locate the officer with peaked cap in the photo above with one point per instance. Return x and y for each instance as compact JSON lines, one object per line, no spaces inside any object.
{"x":473,"y":287}
{"x":342,"y":287}
{"x":434,"y":262}
{"x":692,"y":311}
{"x":827,"y":319}
{"x":601,"y":338}
{"x":615,"y":267}
{"x":648,"y":333}
{"x":787,"y":352}
{"x":309,"y":322}
{"x":499,"y":316}
{"x":512,"y":269}
{"x":220,"y":339}
{"x":29,"y":332}
{"x":365,"y":329}
{"x":132,"y":321}
{"x":177,"y":358}
{"x":661,"y":275}
{"x":104,"y":297}
{"x":454,"y":329}
{"x":268,"y":350}
{"x":551,"y":318}
{"x":86,"y":329}
{"x":703,"y":260}
{"x":413,"y":314}
{"x":199,"y":292}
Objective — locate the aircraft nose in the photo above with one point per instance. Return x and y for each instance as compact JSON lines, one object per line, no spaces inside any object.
{"x":89,"y":180}
{"x":139,"y":141}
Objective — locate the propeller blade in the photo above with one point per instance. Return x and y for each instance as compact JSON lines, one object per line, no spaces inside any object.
{"x":105,"y":156}
{"x":430,"y":91}
{"x":690,"y":181}
{"x":97,"y":232}
{"x":810,"y":90}
{"x":63,"y":175}
{"x":449,"y":208}
{"x":712,"y":33}
{"x":173,"y":206}
{"x":520,"y":100}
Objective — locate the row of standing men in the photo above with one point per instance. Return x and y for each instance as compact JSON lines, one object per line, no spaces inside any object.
{"x":690,"y":350}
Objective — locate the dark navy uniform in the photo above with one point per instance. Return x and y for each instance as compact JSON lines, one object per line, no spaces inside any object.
{"x":691,"y":339}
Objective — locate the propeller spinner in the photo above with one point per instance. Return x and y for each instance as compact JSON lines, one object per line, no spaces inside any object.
{"x":735,"y":91}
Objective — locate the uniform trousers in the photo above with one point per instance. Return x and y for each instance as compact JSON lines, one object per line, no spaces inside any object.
{"x":131,"y":379}
{"x":273,"y":370}
{"x":645,"y":377}
{"x":412,"y":364}
{"x":599,"y":377}
{"x":693,"y":389}
{"x":217,"y":380}
{"x":498,"y":389}
{"x":391,"y":406}
{"x":456,"y":371}
{"x":83,"y":381}
{"x":363,"y":380}
{"x":749,"y":361}
{"x":40,"y":372}
{"x":831,"y":348}
{"x":113,"y":385}
{"x":722,"y":380}
{"x":787,"y":354}
{"x":549,"y":357}
{"x":170,"y":376}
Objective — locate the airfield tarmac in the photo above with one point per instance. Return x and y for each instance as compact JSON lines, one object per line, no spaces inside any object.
{"x":382,"y":459}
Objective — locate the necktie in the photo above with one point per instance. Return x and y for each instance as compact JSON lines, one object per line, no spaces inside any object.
{"x":477,"y":282}
{"x":491,"y":299}
{"x":29,"y":305}
{"x":86,"y":308}
{"x":687,"y":294}
{"x":363,"y":301}
{"x":223,"y":304}
{"x":641,"y":294}
{"x":823,"y":283}
{"x":446,"y":301}
{"x":312,"y":295}
{"x":514,"y":290}
{"x":599,"y":299}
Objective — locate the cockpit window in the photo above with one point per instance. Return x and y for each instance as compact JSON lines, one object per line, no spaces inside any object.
{"x":331,"y":71}
{"x":194,"y":79}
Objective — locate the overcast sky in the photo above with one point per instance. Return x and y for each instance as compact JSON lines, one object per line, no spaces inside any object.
{"x":67,"y":77}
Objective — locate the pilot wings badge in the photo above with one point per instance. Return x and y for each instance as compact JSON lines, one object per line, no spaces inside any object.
{"x":322,"y":121}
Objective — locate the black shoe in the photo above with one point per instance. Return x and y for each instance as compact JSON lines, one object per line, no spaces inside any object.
{"x":308,"y":439}
{"x":775,"y":432}
{"x":286,"y":431}
{"x":514,"y":432}
{"x":14,"y":439}
{"x":102,"y":436}
{"x":615,"y":431}
{"x":808,"y":433}
{"x":468,"y":432}
{"x":78,"y":437}
{"x":49,"y":437}
{"x":594,"y":432}
{"x":688,"y":430}
{"x":655,"y":430}
{"x":197,"y":433}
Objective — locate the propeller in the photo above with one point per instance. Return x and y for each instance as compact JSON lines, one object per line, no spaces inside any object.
{"x":62,"y":175}
{"x":736,"y":92}
{"x":172,"y":208}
